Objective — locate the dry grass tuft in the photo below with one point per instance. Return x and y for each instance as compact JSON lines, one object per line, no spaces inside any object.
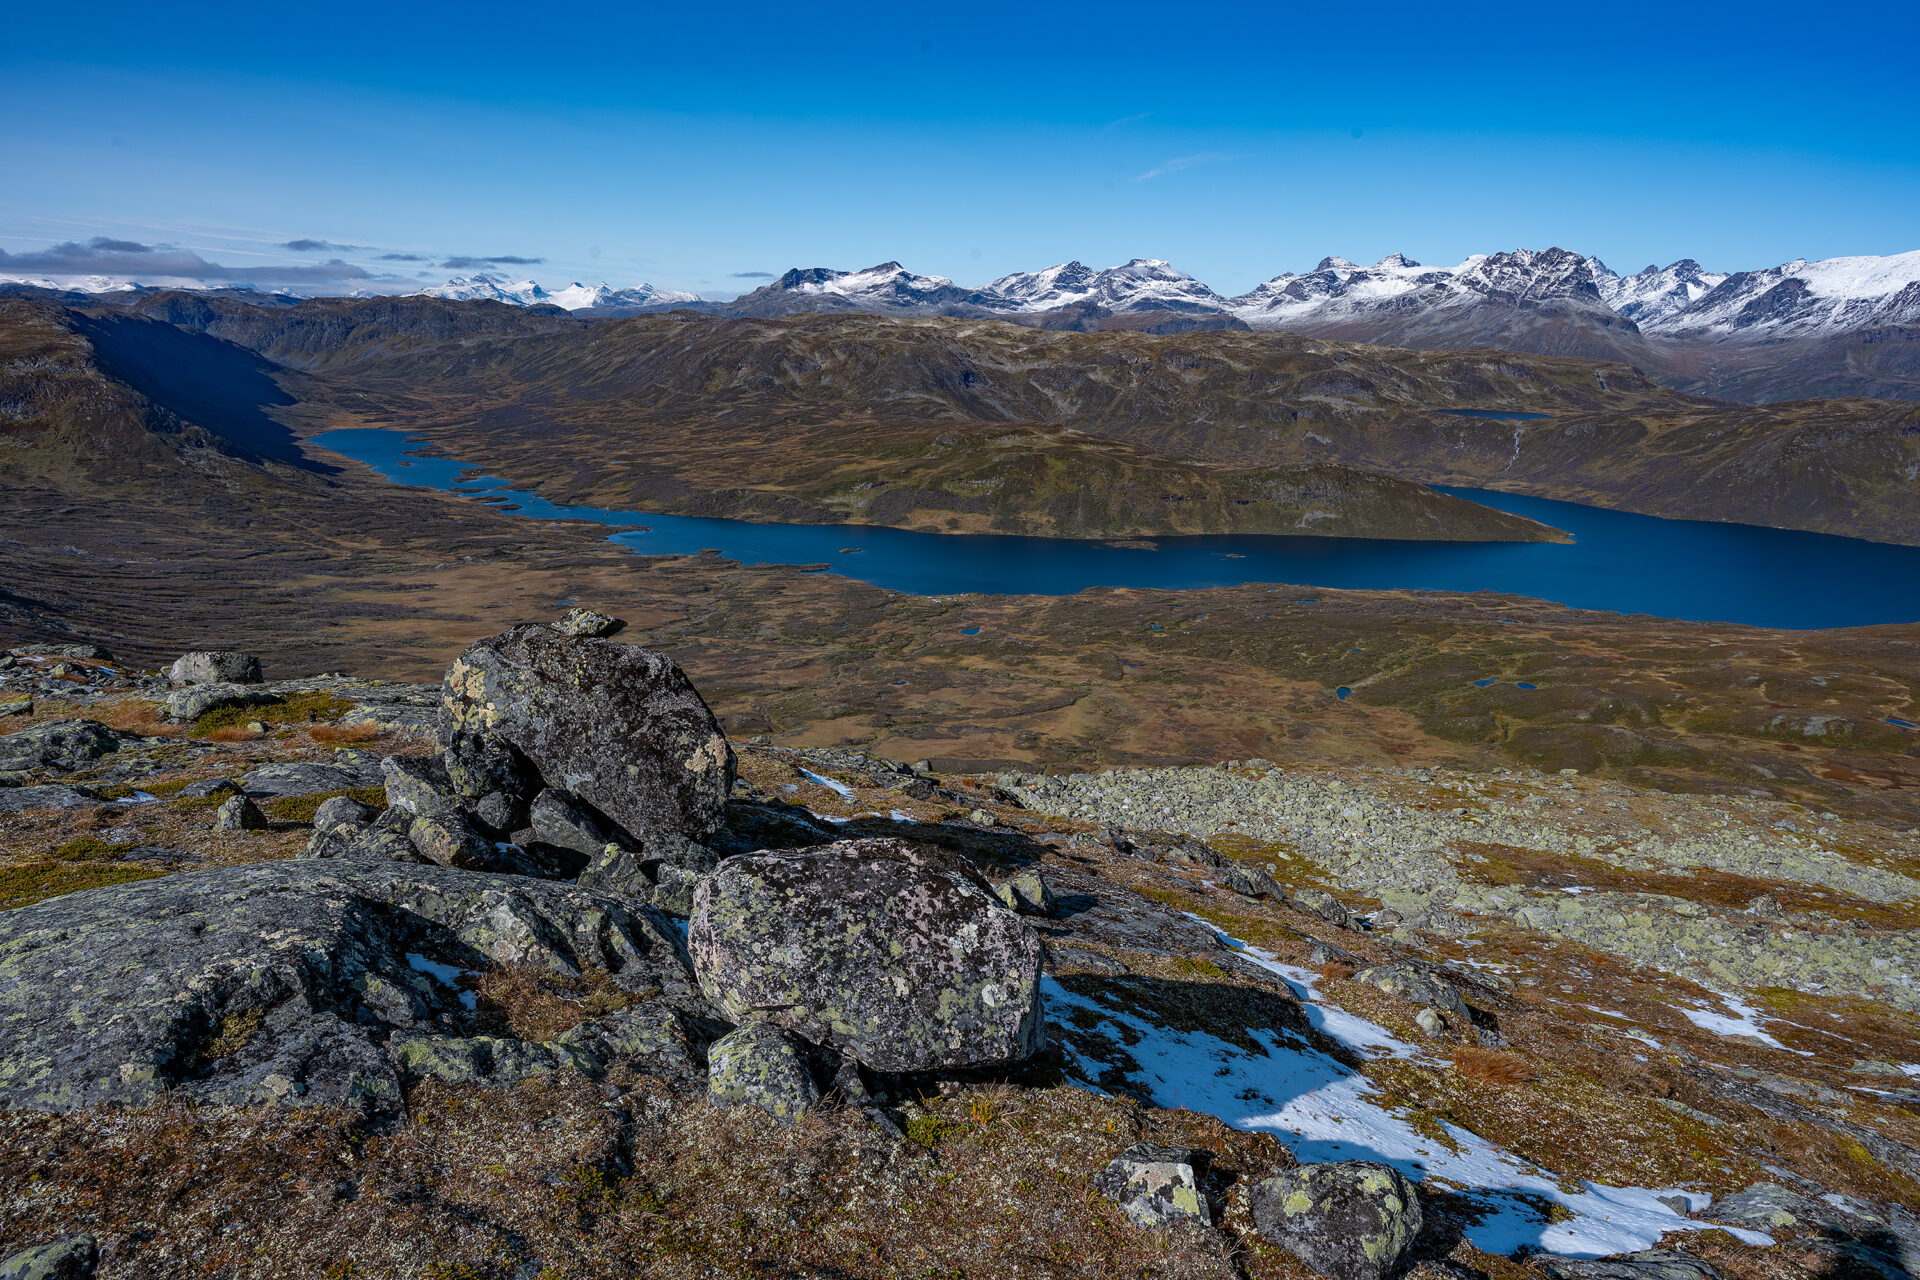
{"x":341,"y":735}
{"x":535,"y":1004}
{"x":139,"y":716}
{"x":1336,"y":971}
{"x":1492,"y":1066}
{"x":233,"y":733}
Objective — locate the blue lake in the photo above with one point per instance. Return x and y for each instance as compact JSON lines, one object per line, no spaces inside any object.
{"x":1623,"y":562}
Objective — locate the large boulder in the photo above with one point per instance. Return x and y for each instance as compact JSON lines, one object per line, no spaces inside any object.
{"x":875,"y":947}
{"x":285,"y":981}
{"x":621,"y":728}
{"x":60,"y":745}
{"x":1417,"y":985}
{"x":1352,"y":1220}
{"x":73,"y":1258}
{"x":210,"y":666}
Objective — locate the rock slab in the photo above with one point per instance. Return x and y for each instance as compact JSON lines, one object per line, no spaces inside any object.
{"x":877,"y":948}
{"x":1157,"y":1185}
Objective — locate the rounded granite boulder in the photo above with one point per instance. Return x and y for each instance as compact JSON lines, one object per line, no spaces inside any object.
{"x":877,"y":948}
{"x":758,"y":1065}
{"x":1350,"y":1219}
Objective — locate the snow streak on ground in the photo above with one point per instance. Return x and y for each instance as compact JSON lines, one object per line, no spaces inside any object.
{"x":1324,"y":1110}
{"x":840,"y":789}
{"x":1744,"y":1022}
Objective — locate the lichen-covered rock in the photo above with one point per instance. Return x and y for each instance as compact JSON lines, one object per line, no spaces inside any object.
{"x":73,"y":1258}
{"x":758,"y":1065}
{"x":195,"y":700}
{"x":1252,"y":882}
{"x":1157,"y":1185}
{"x":337,"y":823}
{"x":307,"y":778}
{"x":1650,"y":1264}
{"x":1027,"y":893}
{"x":452,"y":841}
{"x":563,"y":822}
{"x":212,"y":666}
{"x":1416,"y":985}
{"x":621,"y":728}
{"x":481,"y":764}
{"x":282,"y":981}
{"x":1351,"y":1220}
{"x":674,"y":891}
{"x":1891,"y":1229}
{"x":876,"y":947}
{"x":419,"y":785}
{"x":239,"y":813}
{"x":651,"y":1037}
{"x":1318,"y":902}
{"x":588,"y":622}
{"x":60,"y":745}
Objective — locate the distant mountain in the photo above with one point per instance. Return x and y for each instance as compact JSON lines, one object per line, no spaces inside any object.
{"x":575,"y":297}
{"x":1142,"y":284}
{"x":1652,"y":294}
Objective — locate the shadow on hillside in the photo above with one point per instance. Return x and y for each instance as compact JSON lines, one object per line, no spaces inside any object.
{"x":214,"y":384}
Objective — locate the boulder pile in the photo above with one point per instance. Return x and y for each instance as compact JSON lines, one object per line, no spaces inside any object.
{"x":563,"y":754}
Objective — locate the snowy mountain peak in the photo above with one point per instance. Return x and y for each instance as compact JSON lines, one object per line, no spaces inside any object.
{"x":1395,"y":260}
{"x":482,"y":287}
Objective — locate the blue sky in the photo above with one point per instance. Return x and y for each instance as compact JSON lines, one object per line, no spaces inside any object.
{"x":688,"y":145}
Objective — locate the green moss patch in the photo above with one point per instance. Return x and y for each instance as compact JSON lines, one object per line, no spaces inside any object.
{"x":300,"y":708}
{"x":30,"y":882}
{"x":303,"y":808}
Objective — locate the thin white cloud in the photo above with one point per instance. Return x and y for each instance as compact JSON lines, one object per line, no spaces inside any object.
{"x":1178,"y":163}
{"x":1111,"y":125}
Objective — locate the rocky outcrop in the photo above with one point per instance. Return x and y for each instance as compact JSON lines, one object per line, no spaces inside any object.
{"x":72,"y":1258}
{"x":57,"y":745}
{"x":205,"y":666}
{"x":1351,"y":1220}
{"x":1415,"y":984}
{"x":1157,"y":1186}
{"x":758,"y":1065}
{"x":876,"y":948}
{"x":286,"y":981}
{"x":1649,"y":1264}
{"x":620,"y":728}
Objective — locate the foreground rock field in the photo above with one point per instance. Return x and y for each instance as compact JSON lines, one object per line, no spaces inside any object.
{"x":347,"y":977}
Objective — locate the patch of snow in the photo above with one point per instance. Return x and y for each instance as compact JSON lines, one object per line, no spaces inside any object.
{"x":1324,"y":1110}
{"x":898,"y":816}
{"x":844,"y":791}
{"x":1744,"y":1022}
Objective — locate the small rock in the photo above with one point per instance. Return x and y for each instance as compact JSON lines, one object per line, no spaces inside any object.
{"x":1157,"y":1186}
{"x":1326,"y":953}
{"x":588,"y":622}
{"x":757,"y":1065}
{"x":559,"y":819}
{"x":981,"y":818}
{"x":1029,"y":894}
{"x":208,"y":666}
{"x":72,"y":1258}
{"x":16,"y":707}
{"x":481,"y":764}
{"x":1353,"y":1220}
{"x":210,"y":787}
{"x":420,"y":785}
{"x":1318,"y":902}
{"x":61,"y":745}
{"x":1679,"y":1204}
{"x":337,"y":823}
{"x":1431,"y":1021}
{"x":1766,"y":906}
{"x":674,"y":892}
{"x":452,"y":841}
{"x":1252,"y":882}
{"x":239,"y":813}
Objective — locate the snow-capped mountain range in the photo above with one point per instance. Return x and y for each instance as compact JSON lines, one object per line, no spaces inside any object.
{"x":575,"y":297}
{"x":1680,"y":298}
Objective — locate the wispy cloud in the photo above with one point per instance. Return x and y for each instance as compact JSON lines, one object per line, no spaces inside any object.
{"x":752,"y":275}
{"x":498,"y":260}
{"x":128,"y":258}
{"x":304,"y":245}
{"x":1178,"y":163}
{"x":1122,"y":122}
{"x":405,"y":257}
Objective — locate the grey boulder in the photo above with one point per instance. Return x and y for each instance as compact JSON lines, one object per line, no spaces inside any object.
{"x":1416,"y":985}
{"x":62,"y":745}
{"x":588,"y":622}
{"x":878,"y":948}
{"x":1157,"y":1185}
{"x":239,"y":813}
{"x":758,"y":1065}
{"x":1318,"y":902}
{"x":284,"y":981}
{"x":1352,"y":1220}
{"x":211,"y":666}
{"x":621,"y":728}
{"x":1028,"y":893}
{"x":196,"y":700}
{"x":73,"y":1258}
{"x":302,"y":778}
